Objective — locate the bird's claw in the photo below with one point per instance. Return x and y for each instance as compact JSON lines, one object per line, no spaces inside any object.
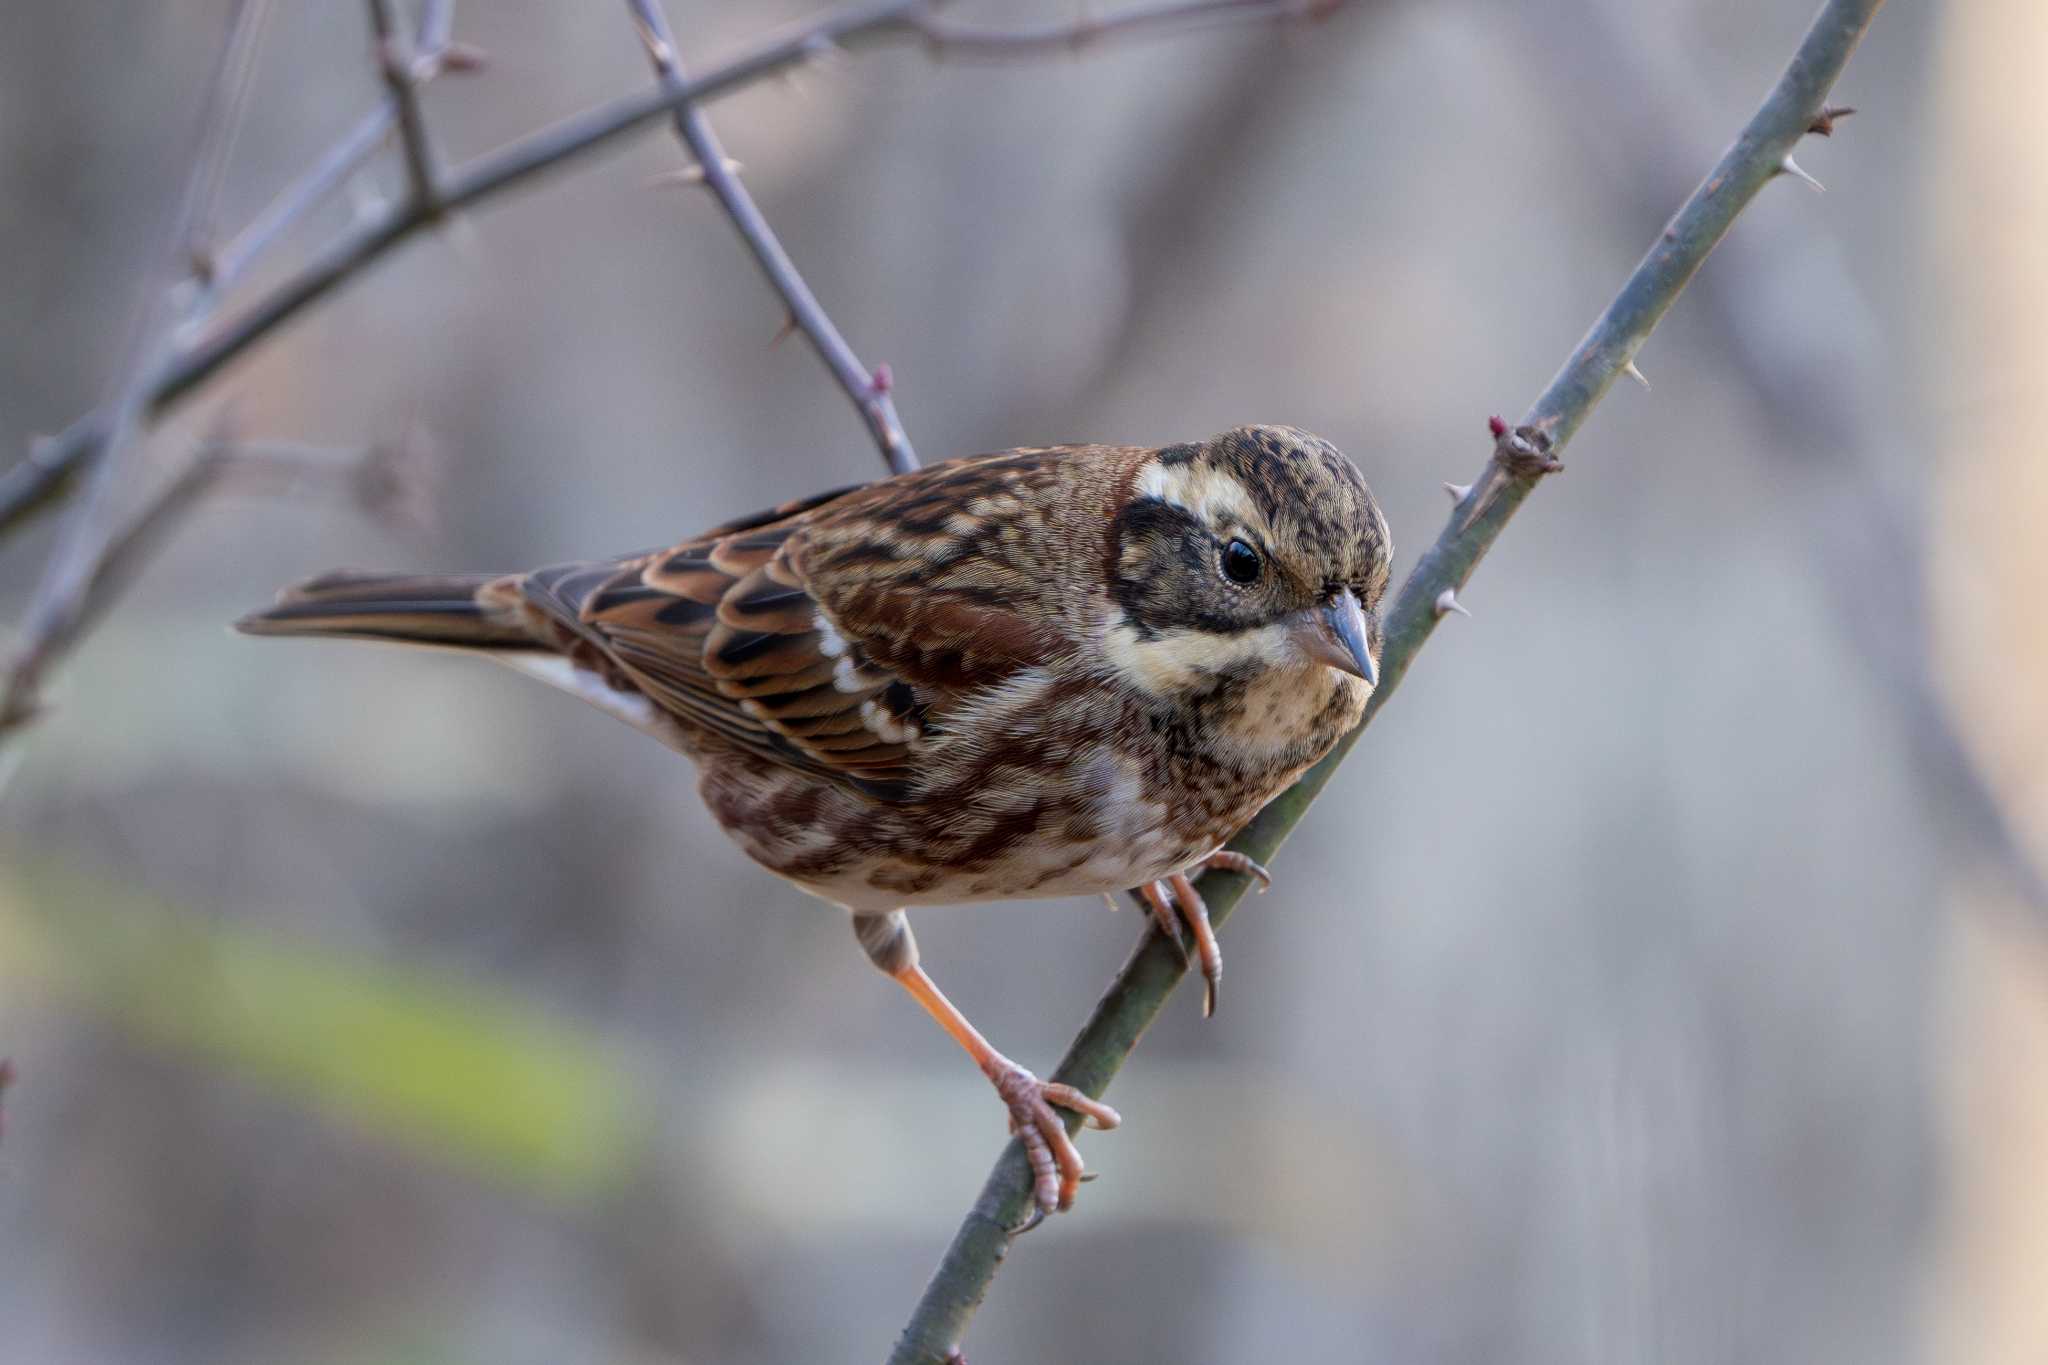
{"x":1178,"y":893}
{"x":1229,"y":860}
{"x":1056,"y":1169}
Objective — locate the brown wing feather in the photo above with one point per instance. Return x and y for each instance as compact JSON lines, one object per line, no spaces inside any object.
{"x":833,"y":633}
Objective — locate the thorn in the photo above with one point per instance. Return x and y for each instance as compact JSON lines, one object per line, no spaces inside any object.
{"x":1823,"y":124}
{"x":691,"y":176}
{"x":1458,"y":491}
{"x":784,"y":332}
{"x":1633,"y":373}
{"x":880,"y":382}
{"x":1447,"y":602}
{"x":1792,"y":168}
{"x":6,"y":1079}
{"x":1088,"y":1177}
{"x":1111,"y":902}
{"x":658,"y":49}
{"x":1497,"y":427}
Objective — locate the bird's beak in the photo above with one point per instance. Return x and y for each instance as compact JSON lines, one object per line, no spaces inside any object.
{"x":1334,"y":634}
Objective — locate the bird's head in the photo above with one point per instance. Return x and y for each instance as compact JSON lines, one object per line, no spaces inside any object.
{"x":1260,"y":549}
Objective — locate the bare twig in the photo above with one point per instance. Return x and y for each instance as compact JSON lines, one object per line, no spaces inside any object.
{"x":435,"y":53}
{"x":868,"y":390}
{"x":57,"y":609}
{"x":33,"y":481}
{"x":238,"y":64}
{"x":39,"y":477}
{"x":1174,"y":16}
{"x":390,"y":482}
{"x":402,"y":77}
{"x":395,"y":482}
{"x":1521,"y":456}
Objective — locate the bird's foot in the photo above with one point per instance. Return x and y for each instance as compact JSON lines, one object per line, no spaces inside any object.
{"x":1056,"y":1169}
{"x":1177,"y":894}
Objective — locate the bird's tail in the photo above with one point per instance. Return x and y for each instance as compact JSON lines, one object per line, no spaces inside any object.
{"x":474,"y":611}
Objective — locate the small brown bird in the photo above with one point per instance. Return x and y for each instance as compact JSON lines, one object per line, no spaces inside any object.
{"x":1049,"y":672}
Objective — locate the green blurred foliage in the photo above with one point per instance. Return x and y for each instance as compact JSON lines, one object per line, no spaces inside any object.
{"x":501,"y":1088}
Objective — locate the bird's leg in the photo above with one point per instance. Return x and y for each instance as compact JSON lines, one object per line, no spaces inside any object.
{"x":1056,"y":1167}
{"x":1178,"y":893}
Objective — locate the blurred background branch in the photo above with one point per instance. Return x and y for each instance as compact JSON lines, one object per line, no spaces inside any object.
{"x":1821,"y":400}
{"x":58,"y":608}
{"x":1521,"y":458}
{"x":197,"y":361}
{"x":37,"y":480}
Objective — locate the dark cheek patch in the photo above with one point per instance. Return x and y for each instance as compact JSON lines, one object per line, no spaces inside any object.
{"x":1167,"y":577}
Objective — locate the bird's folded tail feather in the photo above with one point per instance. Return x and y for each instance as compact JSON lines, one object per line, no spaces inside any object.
{"x":476,"y":611}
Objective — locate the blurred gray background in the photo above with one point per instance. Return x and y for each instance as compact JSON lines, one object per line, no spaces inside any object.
{"x":1641,"y":990}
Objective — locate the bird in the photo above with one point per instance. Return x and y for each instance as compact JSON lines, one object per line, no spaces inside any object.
{"x":1049,"y":671}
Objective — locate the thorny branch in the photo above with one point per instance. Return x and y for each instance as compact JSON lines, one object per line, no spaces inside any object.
{"x":1521,"y":456}
{"x":868,"y":390}
{"x":1826,"y":407}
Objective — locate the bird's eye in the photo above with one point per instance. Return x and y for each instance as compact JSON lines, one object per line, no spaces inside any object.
{"x":1240,"y":562}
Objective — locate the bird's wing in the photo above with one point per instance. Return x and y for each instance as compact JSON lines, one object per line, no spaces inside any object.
{"x":835,"y":634}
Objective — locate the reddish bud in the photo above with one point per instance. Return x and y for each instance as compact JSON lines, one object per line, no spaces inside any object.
{"x":881,"y":381}
{"x":1498,"y":427}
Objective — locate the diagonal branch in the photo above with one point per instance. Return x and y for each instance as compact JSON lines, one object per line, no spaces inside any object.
{"x":1520,"y":459}
{"x":868,"y":390}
